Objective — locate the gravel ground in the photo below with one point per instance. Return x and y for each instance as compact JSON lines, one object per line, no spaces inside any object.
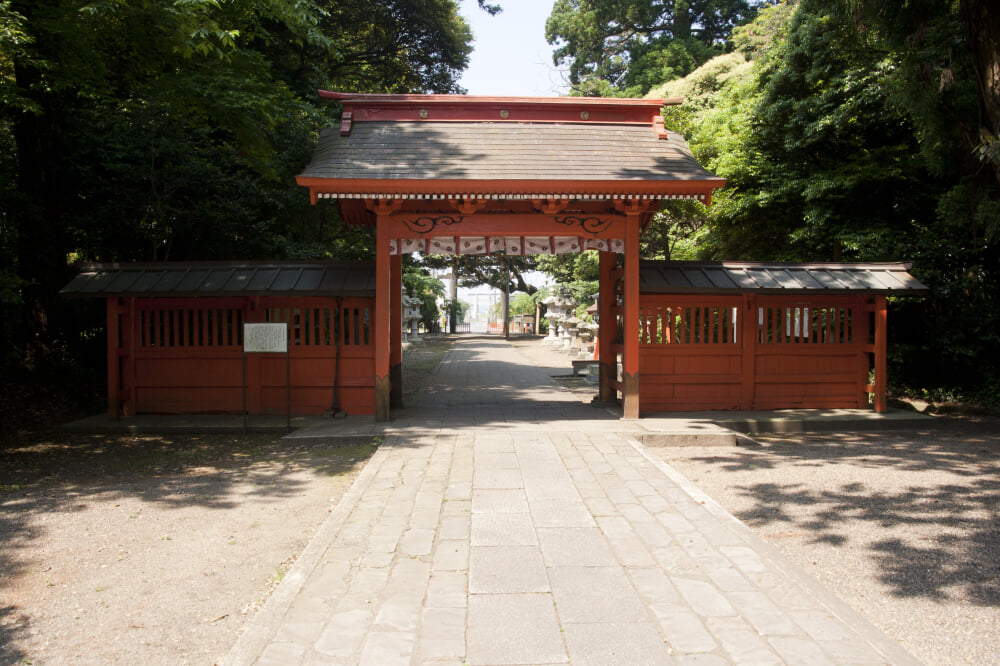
{"x":121,"y":549}
{"x":902,"y":526}
{"x":152,"y":550}
{"x":111,"y":557}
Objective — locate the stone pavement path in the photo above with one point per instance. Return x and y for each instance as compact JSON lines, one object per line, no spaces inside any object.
{"x":503,"y":522}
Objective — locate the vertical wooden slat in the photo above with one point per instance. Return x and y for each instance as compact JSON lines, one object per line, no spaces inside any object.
{"x":127,"y":364}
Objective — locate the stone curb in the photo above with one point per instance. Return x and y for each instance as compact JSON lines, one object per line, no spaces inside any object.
{"x":262,"y":628}
{"x":890,"y":649}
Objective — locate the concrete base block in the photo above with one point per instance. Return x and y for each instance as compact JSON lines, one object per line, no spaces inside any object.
{"x":666,"y":438}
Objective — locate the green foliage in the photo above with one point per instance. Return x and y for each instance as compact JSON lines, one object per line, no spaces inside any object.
{"x":566,"y":268}
{"x":816,"y":157}
{"x":153,"y":130}
{"x":624,"y":48}
{"x":676,"y":232}
{"x":833,"y":149}
{"x":583,"y":291}
{"x":522,"y":303}
{"x":459,"y":307}
{"x":419,"y":283}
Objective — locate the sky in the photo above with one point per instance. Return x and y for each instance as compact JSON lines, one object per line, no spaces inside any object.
{"x":510,"y":55}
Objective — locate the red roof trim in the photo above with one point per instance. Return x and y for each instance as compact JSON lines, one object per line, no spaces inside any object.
{"x":451,"y":108}
{"x":377,"y":187}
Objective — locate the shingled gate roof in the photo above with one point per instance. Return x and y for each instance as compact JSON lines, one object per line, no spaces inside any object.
{"x":503,"y":152}
{"x":457,"y":146}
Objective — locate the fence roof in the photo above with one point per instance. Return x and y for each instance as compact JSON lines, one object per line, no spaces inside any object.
{"x":215,"y":279}
{"x":729,"y":277}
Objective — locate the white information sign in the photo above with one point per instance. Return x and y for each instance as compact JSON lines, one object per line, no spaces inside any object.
{"x":265,"y":338}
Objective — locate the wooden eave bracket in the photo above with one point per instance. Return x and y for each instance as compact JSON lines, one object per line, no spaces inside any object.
{"x":467,"y":206}
{"x":550,"y":206}
{"x":345,"y":123}
{"x":658,"y":125}
{"x":383,"y":206}
{"x":634,"y":206}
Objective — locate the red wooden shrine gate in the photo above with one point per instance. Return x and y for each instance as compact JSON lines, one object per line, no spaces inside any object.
{"x":480,"y":175}
{"x":476,"y":175}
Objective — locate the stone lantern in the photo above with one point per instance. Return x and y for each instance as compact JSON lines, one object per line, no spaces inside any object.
{"x":587,"y":332}
{"x":568,"y":331}
{"x":411,"y":317}
{"x":560,"y":305}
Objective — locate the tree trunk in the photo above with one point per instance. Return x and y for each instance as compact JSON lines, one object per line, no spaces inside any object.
{"x":453,"y":296}
{"x":38,"y":218}
{"x":981,"y":21}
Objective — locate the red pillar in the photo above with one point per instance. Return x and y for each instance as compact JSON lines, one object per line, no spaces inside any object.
{"x":396,"y":331}
{"x":383,"y":317}
{"x":881,"y":317}
{"x":630,"y":362}
{"x":607,"y":334}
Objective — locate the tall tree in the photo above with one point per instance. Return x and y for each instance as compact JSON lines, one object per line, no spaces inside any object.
{"x":615,"y":47}
{"x":820,"y":165}
{"x":945,"y":52}
{"x":833,"y":151}
{"x":153,"y":129}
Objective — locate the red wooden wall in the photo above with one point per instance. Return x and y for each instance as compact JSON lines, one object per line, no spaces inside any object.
{"x":758,"y":352}
{"x":185,"y":356}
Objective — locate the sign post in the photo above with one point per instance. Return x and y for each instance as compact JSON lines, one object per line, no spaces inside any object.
{"x":269,"y":338}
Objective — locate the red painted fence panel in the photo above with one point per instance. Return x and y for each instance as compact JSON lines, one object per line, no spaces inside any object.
{"x":185,"y":356}
{"x":697,"y":352}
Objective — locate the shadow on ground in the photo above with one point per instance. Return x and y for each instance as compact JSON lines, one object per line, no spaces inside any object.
{"x":944,"y":482}
{"x":50,"y":472}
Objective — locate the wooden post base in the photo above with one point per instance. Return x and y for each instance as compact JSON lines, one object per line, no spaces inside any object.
{"x":383,"y":387}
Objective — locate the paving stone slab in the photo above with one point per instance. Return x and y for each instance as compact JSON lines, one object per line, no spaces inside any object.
{"x":507,"y":570}
{"x":616,"y":644}
{"x":513,"y":629}
{"x":591,"y":594}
